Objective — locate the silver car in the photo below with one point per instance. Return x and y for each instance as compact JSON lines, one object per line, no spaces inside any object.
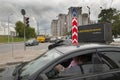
{"x":102,"y":63}
{"x":31,"y":42}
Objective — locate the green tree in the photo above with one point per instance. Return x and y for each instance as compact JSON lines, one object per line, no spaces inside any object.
{"x":30,"y":32}
{"x":19,"y":28}
{"x":112,"y":16}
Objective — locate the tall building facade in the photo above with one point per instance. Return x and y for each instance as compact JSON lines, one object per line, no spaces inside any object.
{"x":54,"y":27}
{"x":65,"y":20}
{"x":61,"y":25}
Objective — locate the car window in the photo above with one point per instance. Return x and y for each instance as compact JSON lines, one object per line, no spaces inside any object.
{"x":94,"y":69}
{"x":109,"y":61}
{"x":93,"y":65}
{"x":80,"y":68}
{"x":40,"y":62}
{"x":113,"y":58}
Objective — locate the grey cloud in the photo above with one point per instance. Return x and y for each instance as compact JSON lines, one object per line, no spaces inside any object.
{"x":45,"y":10}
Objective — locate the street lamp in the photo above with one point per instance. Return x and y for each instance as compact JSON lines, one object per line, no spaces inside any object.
{"x":111,"y":3}
{"x":99,"y":18}
{"x":89,"y":14}
{"x":9,"y":27}
{"x":38,"y":28}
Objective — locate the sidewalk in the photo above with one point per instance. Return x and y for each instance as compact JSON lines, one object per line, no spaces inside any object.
{"x":19,"y":56}
{"x":115,"y":43}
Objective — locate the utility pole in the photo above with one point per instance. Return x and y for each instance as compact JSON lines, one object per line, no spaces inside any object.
{"x":38,"y":28}
{"x":23,"y":13}
{"x":111,"y":3}
{"x":9,"y":28}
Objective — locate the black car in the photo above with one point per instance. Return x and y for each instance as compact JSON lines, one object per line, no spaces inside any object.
{"x":31,"y":42}
{"x":103,"y":64}
{"x":60,"y":42}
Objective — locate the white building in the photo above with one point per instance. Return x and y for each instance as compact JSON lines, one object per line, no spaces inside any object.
{"x":7,"y":30}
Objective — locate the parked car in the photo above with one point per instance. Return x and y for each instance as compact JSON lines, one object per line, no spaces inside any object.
{"x":31,"y":42}
{"x":53,"y":39}
{"x":116,"y":39}
{"x":41,"y":39}
{"x":47,"y":39}
{"x":103,"y":64}
{"x":60,"y":42}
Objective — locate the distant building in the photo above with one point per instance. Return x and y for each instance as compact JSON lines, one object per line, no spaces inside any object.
{"x":93,"y":21}
{"x":85,"y":19}
{"x":63,"y":24}
{"x":5,"y":30}
{"x":54,"y":27}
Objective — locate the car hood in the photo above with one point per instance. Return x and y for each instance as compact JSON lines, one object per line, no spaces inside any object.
{"x":6,"y":73}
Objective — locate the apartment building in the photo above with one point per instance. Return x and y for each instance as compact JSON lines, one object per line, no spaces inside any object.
{"x":63,"y":24}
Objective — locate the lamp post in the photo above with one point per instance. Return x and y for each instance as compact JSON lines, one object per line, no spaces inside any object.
{"x":111,"y":3}
{"x":89,"y":14}
{"x":9,"y":27}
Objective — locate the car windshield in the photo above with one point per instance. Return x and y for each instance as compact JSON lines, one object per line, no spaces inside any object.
{"x":39,"y":63}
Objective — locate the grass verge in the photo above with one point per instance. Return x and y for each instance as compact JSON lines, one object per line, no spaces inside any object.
{"x":4,"y":39}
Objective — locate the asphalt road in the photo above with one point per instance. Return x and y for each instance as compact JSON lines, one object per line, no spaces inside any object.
{"x":4,"y":48}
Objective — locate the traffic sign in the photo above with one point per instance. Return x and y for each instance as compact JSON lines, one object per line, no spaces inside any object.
{"x":23,"y":12}
{"x":74,"y":12}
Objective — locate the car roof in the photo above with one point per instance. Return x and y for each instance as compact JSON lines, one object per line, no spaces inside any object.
{"x":68,"y":49}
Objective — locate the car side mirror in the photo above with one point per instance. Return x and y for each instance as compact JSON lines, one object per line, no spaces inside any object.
{"x":42,"y":77}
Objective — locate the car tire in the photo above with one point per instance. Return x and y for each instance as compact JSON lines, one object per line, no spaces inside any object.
{"x":50,"y":47}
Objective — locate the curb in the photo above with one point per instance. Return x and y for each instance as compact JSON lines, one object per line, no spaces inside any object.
{"x":10,"y":43}
{"x":13,"y":63}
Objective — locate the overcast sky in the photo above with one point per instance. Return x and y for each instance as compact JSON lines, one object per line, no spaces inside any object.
{"x":44,"y":11}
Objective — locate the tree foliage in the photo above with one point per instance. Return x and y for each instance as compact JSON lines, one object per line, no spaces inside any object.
{"x":112,"y":16}
{"x":30,"y":32}
{"x":19,"y":28}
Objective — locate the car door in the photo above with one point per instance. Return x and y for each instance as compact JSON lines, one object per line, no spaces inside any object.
{"x":50,"y":74}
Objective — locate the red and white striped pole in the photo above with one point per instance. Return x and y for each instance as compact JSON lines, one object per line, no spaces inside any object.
{"x":74,"y":29}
